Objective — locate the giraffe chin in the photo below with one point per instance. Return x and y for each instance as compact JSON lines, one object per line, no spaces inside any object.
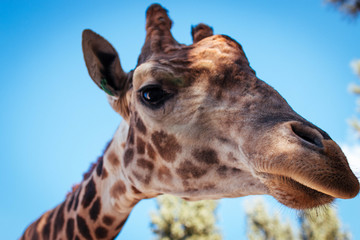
{"x":294,"y":194}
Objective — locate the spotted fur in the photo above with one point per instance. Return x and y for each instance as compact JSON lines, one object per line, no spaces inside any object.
{"x":220,"y":132}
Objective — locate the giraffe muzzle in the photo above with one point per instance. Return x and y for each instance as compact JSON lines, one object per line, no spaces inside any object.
{"x":307,"y":155}
{"x":300,"y":161}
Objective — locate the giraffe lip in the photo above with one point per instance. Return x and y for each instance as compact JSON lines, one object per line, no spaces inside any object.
{"x":305,"y":186}
{"x":283,"y":179}
{"x":295,"y":194}
{"x":322,"y":189}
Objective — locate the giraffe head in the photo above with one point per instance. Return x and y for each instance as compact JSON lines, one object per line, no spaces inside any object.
{"x":203,"y":126}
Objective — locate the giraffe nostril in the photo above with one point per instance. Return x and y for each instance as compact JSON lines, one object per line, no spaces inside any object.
{"x":308,"y":134}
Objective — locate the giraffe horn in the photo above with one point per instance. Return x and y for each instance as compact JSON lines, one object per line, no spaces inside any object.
{"x":200,"y":32}
{"x":158,"y":35}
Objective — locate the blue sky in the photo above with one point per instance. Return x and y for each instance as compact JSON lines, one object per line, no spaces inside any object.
{"x":55,"y":121}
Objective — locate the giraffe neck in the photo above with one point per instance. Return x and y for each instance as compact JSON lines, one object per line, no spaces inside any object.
{"x":98,"y":207}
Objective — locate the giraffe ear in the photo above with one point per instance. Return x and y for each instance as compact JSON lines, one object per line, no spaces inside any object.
{"x":103,"y":64}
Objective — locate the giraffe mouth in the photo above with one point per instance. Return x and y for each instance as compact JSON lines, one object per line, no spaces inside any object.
{"x":295,"y":194}
{"x":318,"y":176}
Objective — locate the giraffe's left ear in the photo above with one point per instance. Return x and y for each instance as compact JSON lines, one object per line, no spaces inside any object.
{"x":103,"y":64}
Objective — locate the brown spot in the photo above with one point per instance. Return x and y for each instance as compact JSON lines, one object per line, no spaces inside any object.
{"x":222,"y":170}
{"x":235,"y":170}
{"x":224,"y":140}
{"x":207,"y":156}
{"x":108,"y":220}
{"x":164,"y":173}
{"x":140,"y":125}
{"x":99,"y":166}
{"x":166,"y":145}
{"x":128,"y":156}
{"x":113,"y":159}
{"x":143,"y":163}
{"x":123,"y":145}
{"x":150,"y":151}
{"x":145,"y":179}
{"x":140,"y":146}
{"x":77,"y":197}
{"x":95,"y":209}
{"x":90,"y":192}
{"x":59,"y":220}
{"x":188,"y":170}
{"x":101,"y":232}
{"x":135,"y":190}
{"x":138,"y":176}
{"x":47,"y":227}
{"x":130,"y":139}
{"x":104,"y":173}
{"x":70,"y":228}
{"x":83,"y":227}
{"x":118,"y":189}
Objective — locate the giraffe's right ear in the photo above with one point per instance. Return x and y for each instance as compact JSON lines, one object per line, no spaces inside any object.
{"x":103,"y":64}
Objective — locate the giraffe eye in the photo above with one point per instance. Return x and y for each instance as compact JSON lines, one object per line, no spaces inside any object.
{"x":154,"y":95}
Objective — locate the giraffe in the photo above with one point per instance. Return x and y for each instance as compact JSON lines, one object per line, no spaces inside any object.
{"x":198,"y":124}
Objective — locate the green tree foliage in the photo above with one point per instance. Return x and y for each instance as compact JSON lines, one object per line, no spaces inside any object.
{"x":316,"y":224}
{"x":177,"y":219}
{"x":262,"y":226}
{"x":351,"y":7}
